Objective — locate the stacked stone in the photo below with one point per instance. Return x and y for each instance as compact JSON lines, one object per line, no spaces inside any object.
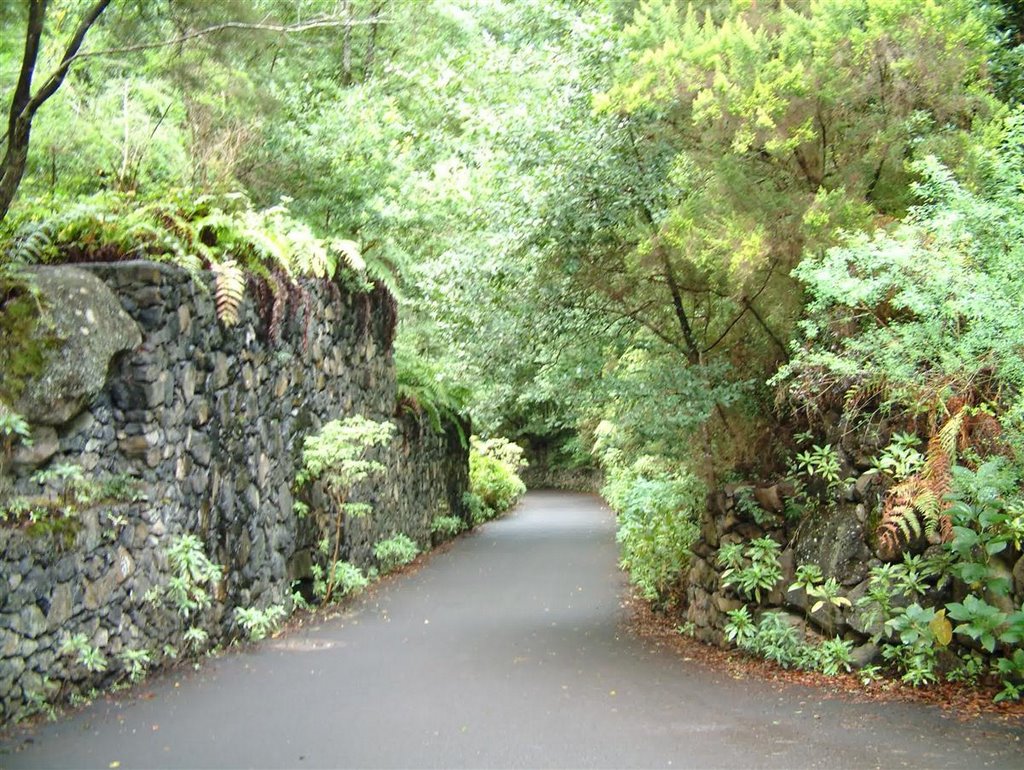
{"x":838,"y":540}
{"x":210,"y":421}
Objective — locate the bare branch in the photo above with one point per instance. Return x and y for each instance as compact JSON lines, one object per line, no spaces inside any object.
{"x":284,"y":29}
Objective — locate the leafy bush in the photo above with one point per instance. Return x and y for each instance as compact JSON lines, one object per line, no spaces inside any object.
{"x":929,"y":309}
{"x":395,"y":552}
{"x":447,"y":526}
{"x":833,"y":656}
{"x":136,"y":662}
{"x":777,"y":640}
{"x":85,"y":654}
{"x":336,"y":457}
{"x":258,"y":623}
{"x":658,"y":510}
{"x":753,"y":569}
{"x":346,"y":578}
{"x":494,"y":467}
{"x":478,"y":512}
{"x":740,"y":629}
{"x":193,"y":574}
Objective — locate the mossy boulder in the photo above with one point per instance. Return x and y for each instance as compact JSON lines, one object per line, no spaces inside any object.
{"x":91,"y":328}
{"x":835,"y":540}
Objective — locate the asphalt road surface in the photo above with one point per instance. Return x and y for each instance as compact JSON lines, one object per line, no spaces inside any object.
{"x":506,"y":650}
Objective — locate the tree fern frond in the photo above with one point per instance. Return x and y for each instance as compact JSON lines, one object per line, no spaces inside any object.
{"x":230,"y":290}
{"x":861,"y":393}
{"x":350,"y":250}
{"x":33,"y":242}
{"x":949,"y":435}
{"x":309,"y":255}
{"x":265,"y":242}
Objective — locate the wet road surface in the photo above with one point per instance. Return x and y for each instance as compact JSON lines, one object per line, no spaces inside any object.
{"x":507,"y":650}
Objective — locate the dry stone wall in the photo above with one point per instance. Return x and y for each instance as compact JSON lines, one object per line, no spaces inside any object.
{"x":838,"y":538}
{"x":209,"y":422}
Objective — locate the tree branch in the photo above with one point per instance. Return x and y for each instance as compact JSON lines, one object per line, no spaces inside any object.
{"x":692,"y":349}
{"x":285,"y":29}
{"x":24,"y":105}
{"x":23,"y":90}
{"x":767,"y":330}
{"x":70,"y":54}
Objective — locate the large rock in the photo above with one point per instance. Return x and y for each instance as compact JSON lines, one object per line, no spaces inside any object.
{"x":835,"y":541}
{"x":91,"y":328}
{"x":45,"y":445}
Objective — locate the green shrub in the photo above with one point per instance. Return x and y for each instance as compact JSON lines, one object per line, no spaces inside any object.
{"x":447,"y":526}
{"x":478,"y":513}
{"x":395,"y":552}
{"x":777,"y":640}
{"x":337,"y":458}
{"x":258,"y":623}
{"x":658,"y":514}
{"x":752,"y":569}
{"x":346,"y":579}
{"x":927,"y":311}
{"x":494,"y":467}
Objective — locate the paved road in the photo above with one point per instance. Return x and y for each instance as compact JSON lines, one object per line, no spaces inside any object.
{"x":505,"y":651}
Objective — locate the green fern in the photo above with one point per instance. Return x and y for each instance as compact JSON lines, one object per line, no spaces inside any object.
{"x":32,"y":243}
{"x":422,"y":389}
{"x":230,"y":290}
{"x":350,"y":250}
{"x":224,"y":234}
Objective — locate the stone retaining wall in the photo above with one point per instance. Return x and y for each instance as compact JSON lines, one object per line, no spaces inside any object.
{"x":209,"y":422}
{"x":838,"y":538}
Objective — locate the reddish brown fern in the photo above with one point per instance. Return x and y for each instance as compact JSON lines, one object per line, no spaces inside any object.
{"x":917,"y":505}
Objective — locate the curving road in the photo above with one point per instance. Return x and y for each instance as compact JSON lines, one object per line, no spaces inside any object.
{"x":504,"y":651}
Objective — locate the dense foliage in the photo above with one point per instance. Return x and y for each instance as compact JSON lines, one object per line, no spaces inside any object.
{"x":494,"y":483}
{"x":658,"y":508}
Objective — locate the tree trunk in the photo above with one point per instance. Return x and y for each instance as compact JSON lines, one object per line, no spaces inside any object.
{"x":346,"y":49}
{"x":25,"y":104}
{"x":14,"y":169}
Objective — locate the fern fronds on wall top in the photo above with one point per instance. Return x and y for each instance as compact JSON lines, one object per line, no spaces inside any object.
{"x":224,"y":234}
{"x":423,"y":390}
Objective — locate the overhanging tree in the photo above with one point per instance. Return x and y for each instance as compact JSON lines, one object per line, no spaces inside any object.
{"x":26,"y":100}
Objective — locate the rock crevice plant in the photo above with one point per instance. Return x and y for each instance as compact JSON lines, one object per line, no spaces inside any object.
{"x":336,"y":458}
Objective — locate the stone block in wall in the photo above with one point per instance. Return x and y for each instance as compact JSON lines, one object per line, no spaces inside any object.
{"x":91,"y":328}
{"x":709,"y":531}
{"x":769,"y":498}
{"x":45,"y":445}
{"x":1018,"y":579}
{"x":835,"y":540}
